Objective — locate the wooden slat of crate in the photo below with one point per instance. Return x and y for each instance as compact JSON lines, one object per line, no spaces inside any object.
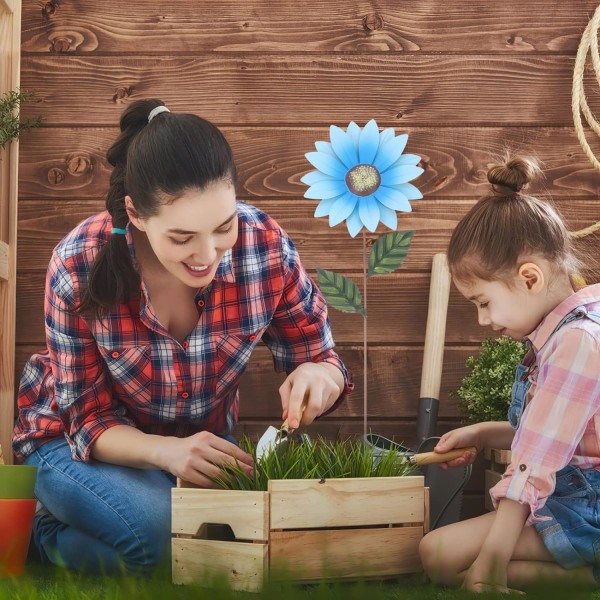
{"x":491,"y":479}
{"x":346,"y":502}
{"x":345,"y":553}
{"x":243,"y":565}
{"x":244,"y":511}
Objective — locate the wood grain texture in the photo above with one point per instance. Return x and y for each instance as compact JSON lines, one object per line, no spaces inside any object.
{"x":291,"y":89}
{"x":312,"y":26}
{"x":394,"y":377}
{"x":70,"y":162}
{"x":397,"y":311}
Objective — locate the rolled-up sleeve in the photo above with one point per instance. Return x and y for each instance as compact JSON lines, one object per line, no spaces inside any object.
{"x":83,"y":388}
{"x":300,"y":330}
{"x":566,"y":397}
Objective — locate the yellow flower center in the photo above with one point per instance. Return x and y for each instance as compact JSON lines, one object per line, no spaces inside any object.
{"x":363,"y":180}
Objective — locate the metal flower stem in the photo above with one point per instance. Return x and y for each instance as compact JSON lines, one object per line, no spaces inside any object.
{"x":364,"y":237}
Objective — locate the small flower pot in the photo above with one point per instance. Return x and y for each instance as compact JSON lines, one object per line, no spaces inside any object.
{"x":17,"y":482}
{"x":16,"y":522}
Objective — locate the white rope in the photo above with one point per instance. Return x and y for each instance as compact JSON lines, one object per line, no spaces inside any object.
{"x":579,"y":105}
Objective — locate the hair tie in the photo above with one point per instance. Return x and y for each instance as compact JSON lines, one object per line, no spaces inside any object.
{"x":157,"y":111}
{"x":117,"y":230}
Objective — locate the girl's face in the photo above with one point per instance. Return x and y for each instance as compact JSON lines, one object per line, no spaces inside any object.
{"x":511,"y":310}
{"x":190,"y":235}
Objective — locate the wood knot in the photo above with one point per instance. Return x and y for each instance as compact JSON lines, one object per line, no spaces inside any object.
{"x":372,"y":22}
{"x":423,"y":163}
{"x":322,"y":481}
{"x":48,"y":10}
{"x":121,"y":93}
{"x":61,"y":44}
{"x":78,"y":165}
{"x":56,"y":176}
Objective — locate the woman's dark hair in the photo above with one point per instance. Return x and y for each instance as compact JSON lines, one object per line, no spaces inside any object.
{"x":154,"y":162}
{"x":491,"y":238}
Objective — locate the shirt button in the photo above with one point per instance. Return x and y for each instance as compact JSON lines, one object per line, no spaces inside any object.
{"x":251,"y":338}
{"x":185,"y":345}
{"x":185,"y":395}
{"x":115,"y":355}
{"x":200,"y":303}
{"x":522,"y":467}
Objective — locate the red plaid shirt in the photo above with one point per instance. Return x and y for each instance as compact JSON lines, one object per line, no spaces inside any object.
{"x":128,"y":370}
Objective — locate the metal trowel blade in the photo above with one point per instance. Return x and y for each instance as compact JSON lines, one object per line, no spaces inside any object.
{"x":268,"y":440}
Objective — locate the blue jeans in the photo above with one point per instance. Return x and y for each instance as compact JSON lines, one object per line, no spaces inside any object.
{"x":100,"y":518}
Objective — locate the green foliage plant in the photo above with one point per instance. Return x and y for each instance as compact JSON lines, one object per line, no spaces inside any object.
{"x":321,"y":459}
{"x":485,"y":392}
{"x":10,"y":123}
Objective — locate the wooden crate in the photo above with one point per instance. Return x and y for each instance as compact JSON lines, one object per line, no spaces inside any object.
{"x":308,"y":529}
{"x":498,"y":460}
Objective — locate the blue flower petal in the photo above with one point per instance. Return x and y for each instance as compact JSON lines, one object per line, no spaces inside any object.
{"x":388,"y":217}
{"x":368,"y":143}
{"x":325,"y":189}
{"x":330,"y":165}
{"x":325,"y":148}
{"x":368,"y":210}
{"x":344,"y":147}
{"x":409,"y":190}
{"x":316,"y":176}
{"x":392,"y":199}
{"x":389,"y":153}
{"x":324,"y":207}
{"x":407,"y":159}
{"x":400,"y":174}
{"x":386,"y":135}
{"x":342,"y":208}
{"x":354,"y":132}
{"x":353,"y":222}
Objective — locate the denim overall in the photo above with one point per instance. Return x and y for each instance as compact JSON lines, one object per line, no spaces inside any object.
{"x":572,"y":532}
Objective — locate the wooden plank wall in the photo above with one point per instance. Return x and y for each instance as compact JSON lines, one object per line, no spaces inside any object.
{"x":464,"y":79}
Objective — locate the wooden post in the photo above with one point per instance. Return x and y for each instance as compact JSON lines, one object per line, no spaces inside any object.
{"x":10,"y":63}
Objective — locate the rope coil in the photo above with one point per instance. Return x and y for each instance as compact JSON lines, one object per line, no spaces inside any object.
{"x":579,"y":105}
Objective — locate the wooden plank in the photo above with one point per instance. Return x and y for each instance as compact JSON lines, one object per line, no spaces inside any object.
{"x":345,"y":554}
{"x":4,"y":254}
{"x":69,"y":163}
{"x":427,"y":517}
{"x":393,"y":381}
{"x":397,"y":312}
{"x":206,"y":562}
{"x":245,"y":512}
{"x":396,"y":90}
{"x":312,"y":26}
{"x":343,"y":502}
{"x":10,"y":56}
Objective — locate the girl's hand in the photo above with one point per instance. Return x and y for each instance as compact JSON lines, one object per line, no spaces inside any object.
{"x":460,"y":438}
{"x":201,"y":456}
{"x":312,"y":386}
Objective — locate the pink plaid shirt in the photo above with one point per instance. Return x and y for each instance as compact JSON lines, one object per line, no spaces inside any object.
{"x":561,"y":423}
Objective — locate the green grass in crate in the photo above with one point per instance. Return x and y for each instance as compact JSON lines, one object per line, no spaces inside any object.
{"x":321,"y":459}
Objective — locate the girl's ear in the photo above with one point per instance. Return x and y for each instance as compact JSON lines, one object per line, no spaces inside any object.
{"x":133,"y":214}
{"x":532,"y":276}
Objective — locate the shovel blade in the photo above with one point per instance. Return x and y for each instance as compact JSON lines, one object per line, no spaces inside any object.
{"x":267,"y":441}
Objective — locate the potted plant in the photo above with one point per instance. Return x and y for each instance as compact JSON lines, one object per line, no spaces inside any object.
{"x":485,"y":395}
{"x":311,"y":511}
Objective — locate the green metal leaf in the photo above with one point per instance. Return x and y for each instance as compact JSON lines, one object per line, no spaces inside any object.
{"x":389,"y":252}
{"x":340,"y":292}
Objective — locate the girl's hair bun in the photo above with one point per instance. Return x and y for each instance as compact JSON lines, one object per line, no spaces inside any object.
{"x":513,"y":174}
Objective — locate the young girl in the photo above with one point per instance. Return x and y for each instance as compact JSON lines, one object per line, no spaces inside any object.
{"x":511,"y":256}
{"x":153,"y":309}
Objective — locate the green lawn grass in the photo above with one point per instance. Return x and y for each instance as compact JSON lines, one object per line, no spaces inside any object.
{"x":49,"y":583}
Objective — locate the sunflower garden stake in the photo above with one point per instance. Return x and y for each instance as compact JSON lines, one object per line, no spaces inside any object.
{"x":362,"y":178}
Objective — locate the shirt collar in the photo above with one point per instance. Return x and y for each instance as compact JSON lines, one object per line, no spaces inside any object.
{"x":544,"y":330}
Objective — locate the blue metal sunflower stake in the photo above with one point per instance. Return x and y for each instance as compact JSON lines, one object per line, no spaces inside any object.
{"x":362,"y":178}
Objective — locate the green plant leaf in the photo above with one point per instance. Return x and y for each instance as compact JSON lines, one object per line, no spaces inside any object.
{"x":340,"y":292}
{"x":389,"y":251}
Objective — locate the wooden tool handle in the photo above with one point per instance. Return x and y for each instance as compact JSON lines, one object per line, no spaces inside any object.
{"x":431,"y":458}
{"x":433,"y":353}
{"x":285,"y":426}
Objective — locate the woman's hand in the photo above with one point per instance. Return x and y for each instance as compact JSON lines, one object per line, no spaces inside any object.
{"x":312,"y":386}
{"x":461,"y":438}
{"x":200,"y":457}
